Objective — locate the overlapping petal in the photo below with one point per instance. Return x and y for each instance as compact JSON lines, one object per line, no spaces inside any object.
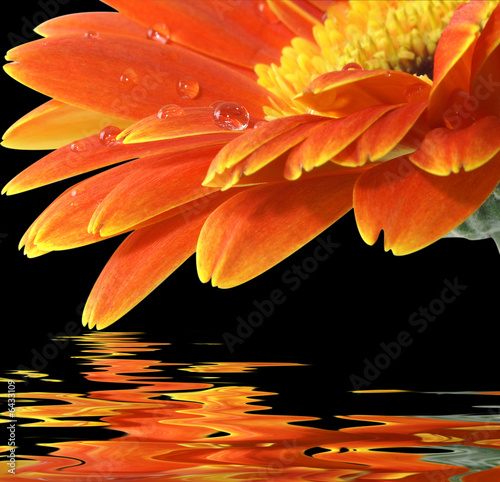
{"x":88,"y":154}
{"x":142,"y":262}
{"x":342,"y":93}
{"x":127,"y":77}
{"x":233,"y":31}
{"x":453,"y":57}
{"x":444,"y":151}
{"x":414,"y":208}
{"x":258,"y":228}
{"x":485,"y":83}
{"x":55,"y":124}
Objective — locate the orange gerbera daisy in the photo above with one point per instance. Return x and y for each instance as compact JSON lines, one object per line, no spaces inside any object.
{"x":242,"y":160}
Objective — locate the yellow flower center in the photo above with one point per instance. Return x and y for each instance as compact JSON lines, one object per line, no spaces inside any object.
{"x":395,"y":35}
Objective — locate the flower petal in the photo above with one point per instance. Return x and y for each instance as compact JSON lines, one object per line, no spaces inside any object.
{"x":415,"y":208}
{"x":90,"y":154}
{"x":299,"y":16}
{"x":444,"y":151}
{"x":192,"y":121}
{"x":64,"y":224}
{"x":246,"y":144}
{"x":453,"y":57}
{"x":244,"y":171}
{"x":148,"y":192}
{"x":342,"y":93}
{"x":55,"y":124}
{"x":260,"y":227}
{"x":135,"y":77}
{"x":233,"y":31}
{"x":485,"y":79}
{"x":385,"y":134}
{"x":141,"y":263}
{"x":331,"y":138}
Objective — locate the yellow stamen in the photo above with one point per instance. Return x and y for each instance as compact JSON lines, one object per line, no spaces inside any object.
{"x":396,"y":35}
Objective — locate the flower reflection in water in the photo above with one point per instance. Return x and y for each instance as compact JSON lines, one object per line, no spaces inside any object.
{"x":162,"y":427}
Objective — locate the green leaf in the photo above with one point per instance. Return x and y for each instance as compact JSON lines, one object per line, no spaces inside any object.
{"x":484,"y":223}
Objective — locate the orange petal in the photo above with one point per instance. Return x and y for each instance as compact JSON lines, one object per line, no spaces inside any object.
{"x":384,"y":135}
{"x":415,"y":208}
{"x":251,"y":140}
{"x":93,"y":23}
{"x":260,"y":227}
{"x":55,"y":124}
{"x":143,"y":261}
{"x":89,"y":154}
{"x":146,"y":193}
{"x":298,"y":15}
{"x":64,"y":224}
{"x":188,"y":121}
{"x":485,"y":82}
{"x":327,"y":141}
{"x":342,"y":93}
{"x":452,"y":60}
{"x":135,"y":77}
{"x":444,"y":151}
{"x":231,"y":30}
{"x":262,"y":156}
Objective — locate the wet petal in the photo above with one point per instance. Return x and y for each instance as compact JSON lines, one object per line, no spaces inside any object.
{"x":415,"y":208}
{"x":143,"y":261}
{"x":148,"y":192}
{"x":453,"y":57}
{"x":134,"y":77}
{"x":88,"y":154}
{"x":188,"y":121}
{"x":55,"y":124}
{"x":233,"y":31}
{"x":342,"y":93}
{"x":260,"y":227}
{"x":444,"y":151}
{"x":485,"y":79}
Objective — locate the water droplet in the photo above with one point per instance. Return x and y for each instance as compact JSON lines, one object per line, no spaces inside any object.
{"x":130,"y":77}
{"x":159,"y":32}
{"x":74,"y":192}
{"x":259,"y":124}
{"x":108,"y":136}
{"x":231,"y":116}
{"x":188,"y":88}
{"x":215,"y":104}
{"x":388,"y":74}
{"x":170,"y":110}
{"x":414,"y":92}
{"x":78,"y":146}
{"x":91,"y":34}
{"x":352,"y":66}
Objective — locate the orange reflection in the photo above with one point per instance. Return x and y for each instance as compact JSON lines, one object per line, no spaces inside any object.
{"x":168,"y":429}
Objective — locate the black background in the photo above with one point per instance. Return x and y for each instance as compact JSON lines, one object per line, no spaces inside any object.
{"x":355,"y":300}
